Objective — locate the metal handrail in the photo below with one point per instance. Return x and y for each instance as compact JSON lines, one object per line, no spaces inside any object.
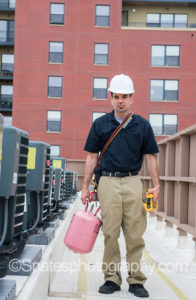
{"x":156,"y":25}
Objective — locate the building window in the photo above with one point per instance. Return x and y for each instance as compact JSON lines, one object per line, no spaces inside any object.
{"x":56,"y":52}
{"x":6,"y":97}
{"x":101,"y":54}
{"x":97,"y":115}
{"x":161,"y":90}
{"x":167,"y":20}
{"x":56,"y":13}
{"x":7,"y":4}
{"x":55,"y":86}
{"x":54,"y":121}
{"x":7,"y":92}
{"x":100,"y":88}
{"x":165,"y":55}
{"x":11,"y":3}
{"x":54,"y":150}
{"x":163,"y":124}
{"x":7,"y":31}
{"x":7,"y":64}
{"x":102,"y":15}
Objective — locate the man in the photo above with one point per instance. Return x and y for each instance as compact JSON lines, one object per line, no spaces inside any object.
{"x":120,"y":187}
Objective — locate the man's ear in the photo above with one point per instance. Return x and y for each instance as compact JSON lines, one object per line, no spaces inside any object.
{"x":132,"y":99}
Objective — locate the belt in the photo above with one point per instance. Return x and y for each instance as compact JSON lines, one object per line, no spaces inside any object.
{"x":118,"y":174}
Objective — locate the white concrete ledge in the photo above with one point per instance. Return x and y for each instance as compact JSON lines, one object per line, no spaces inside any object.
{"x":37,"y":285}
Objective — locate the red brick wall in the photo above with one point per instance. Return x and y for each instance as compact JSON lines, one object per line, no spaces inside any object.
{"x":129,"y":53}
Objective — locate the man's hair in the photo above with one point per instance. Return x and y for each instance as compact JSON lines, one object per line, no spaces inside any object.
{"x":113,"y":94}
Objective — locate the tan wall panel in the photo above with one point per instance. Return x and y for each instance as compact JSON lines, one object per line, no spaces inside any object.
{"x":78,"y":167}
{"x":176,"y":200}
{"x":169,"y":198}
{"x":170,"y":159}
{"x":185,"y":148}
{"x":192,"y":205}
{"x":177,"y":158}
{"x":192,"y":167}
{"x":161,"y":197}
{"x":161,"y":160}
{"x":183,"y":200}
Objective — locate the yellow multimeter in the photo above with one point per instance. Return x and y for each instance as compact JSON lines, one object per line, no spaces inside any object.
{"x":149,"y":204}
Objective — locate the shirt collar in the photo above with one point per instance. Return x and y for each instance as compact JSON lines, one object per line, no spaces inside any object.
{"x":110,"y":117}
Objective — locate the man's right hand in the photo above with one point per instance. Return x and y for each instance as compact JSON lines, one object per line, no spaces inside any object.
{"x":85,"y":195}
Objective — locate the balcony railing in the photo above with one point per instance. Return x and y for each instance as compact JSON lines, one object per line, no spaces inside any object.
{"x":177,"y":170}
{"x":6,"y":102}
{"x":151,"y":25}
{"x":6,"y":37}
{"x":7,"y":5}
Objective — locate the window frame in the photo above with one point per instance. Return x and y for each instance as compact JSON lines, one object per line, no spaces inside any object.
{"x":47,"y":120}
{"x":8,"y":33}
{"x":163,"y":124}
{"x":97,"y":25}
{"x":97,"y":112}
{"x":57,"y":97}
{"x":165,"y":56}
{"x":101,"y":64}
{"x":57,"y":23}
{"x":49,"y":52}
{"x":10,"y":66}
{"x":159,"y":23}
{"x":59,"y":146}
{"x":94,"y":98}
{"x":164,"y":91}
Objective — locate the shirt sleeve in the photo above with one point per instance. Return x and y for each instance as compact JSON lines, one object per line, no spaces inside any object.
{"x":93,"y":140}
{"x":149,"y":143}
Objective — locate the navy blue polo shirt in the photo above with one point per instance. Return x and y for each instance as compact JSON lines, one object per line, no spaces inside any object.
{"x":125,"y":153}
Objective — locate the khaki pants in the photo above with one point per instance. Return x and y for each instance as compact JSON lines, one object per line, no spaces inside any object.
{"x":121,"y":205}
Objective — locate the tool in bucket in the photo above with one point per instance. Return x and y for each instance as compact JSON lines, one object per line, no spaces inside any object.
{"x":97,"y":171}
{"x":149,"y":204}
{"x":83,"y":230}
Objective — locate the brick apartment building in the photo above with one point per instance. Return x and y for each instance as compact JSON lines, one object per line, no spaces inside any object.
{"x":7,"y":16}
{"x":66,"y":52}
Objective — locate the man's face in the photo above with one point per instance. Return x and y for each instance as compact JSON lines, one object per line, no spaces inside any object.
{"x":121,"y":103}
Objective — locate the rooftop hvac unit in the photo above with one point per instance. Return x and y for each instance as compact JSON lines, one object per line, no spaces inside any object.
{"x":60,"y":162}
{"x":13,"y":174}
{"x":51,"y":200}
{"x":75,"y":182}
{"x":37,"y":184}
{"x":69,"y":182}
{"x":57,"y":187}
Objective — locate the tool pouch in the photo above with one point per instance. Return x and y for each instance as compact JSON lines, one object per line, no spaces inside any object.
{"x":97,"y":172}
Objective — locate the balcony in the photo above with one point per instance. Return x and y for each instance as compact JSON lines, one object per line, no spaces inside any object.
{"x":158,"y":15}
{"x":8,"y":5}
{"x":6,"y":102}
{"x":6,"y":37}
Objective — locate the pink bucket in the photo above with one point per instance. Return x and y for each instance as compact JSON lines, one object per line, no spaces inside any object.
{"x":82,"y":231}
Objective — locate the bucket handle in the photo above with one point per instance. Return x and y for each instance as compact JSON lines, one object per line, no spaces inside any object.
{"x":86,"y":207}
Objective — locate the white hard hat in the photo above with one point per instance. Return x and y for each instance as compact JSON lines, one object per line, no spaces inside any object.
{"x":121,"y":84}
